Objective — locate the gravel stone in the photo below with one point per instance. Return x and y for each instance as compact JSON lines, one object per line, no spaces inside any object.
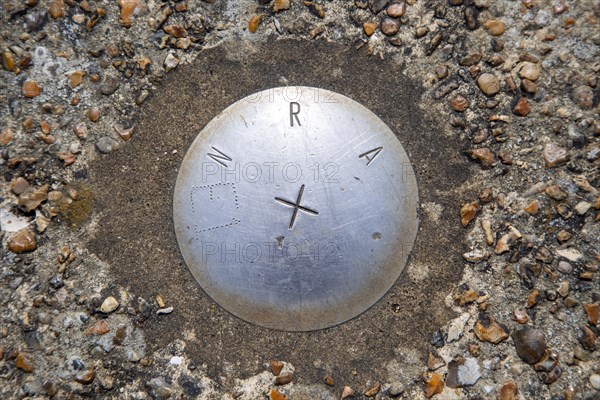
{"x":488,"y":84}
{"x":106,"y":145}
{"x":530,"y":344}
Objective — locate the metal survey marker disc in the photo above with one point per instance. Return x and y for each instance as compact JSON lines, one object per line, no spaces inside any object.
{"x":296,"y":208}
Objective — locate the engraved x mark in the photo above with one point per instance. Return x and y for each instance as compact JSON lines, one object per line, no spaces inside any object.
{"x":296,"y":206}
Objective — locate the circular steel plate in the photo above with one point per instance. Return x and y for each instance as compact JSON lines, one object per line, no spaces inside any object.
{"x":296,"y":208}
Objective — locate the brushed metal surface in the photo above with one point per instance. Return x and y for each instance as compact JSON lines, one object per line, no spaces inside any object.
{"x":296,"y":208}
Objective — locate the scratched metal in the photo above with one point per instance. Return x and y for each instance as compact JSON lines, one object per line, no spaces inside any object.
{"x":296,"y":208}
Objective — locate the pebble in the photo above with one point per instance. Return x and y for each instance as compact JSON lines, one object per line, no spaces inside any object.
{"x":281,"y":5}
{"x":23,"y":242}
{"x":315,"y":9}
{"x":548,"y":362}
{"x":441,"y":71}
{"x":276,"y":367}
{"x":551,"y":376}
{"x":437,"y":339}
{"x":530,"y":344}
{"x":396,"y":389}
{"x":8,"y":60}
{"x":346,"y":393}
{"x":488,"y":330}
{"x":509,"y":391}
{"x":434,"y":361}
{"x":468,"y":212}
{"x":563,"y":289}
{"x":176,"y":31}
{"x":486,"y":226}
{"x":434,"y":384}
{"x":120,"y":335}
{"x":532,"y":208}
{"x":459,"y":103}
{"x":170,"y":62}
{"x":24,"y":362}
{"x":495,"y":27}
{"x":503,"y":244}
{"x":56,"y":9}
{"x":476,"y":256}
{"x":6,"y":136}
{"x":19,"y":185}
{"x":583,"y":96}
{"x":31,"y":89}
{"x":128,"y":9}
{"x":530,"y":71}
{"x":253,"y":23}
{"x":554,"y":155}
{"x":369,"y":28}
{"x":276,"y":395}
{"x":98,"y":329}
{"x":124,"y":133}
{"x":595,"y":381}
{"x":110,"y":85}
{"x":488,"y":84}
{"x":463,"y":372}
{"x":593,"y":313}
{"x":528,"y":86}
{"x":587,"y":338}
{"x":581,"y":354}
{"x":485,"y":156}
{"x":86,"y":377}
{"x":520,"y":315}
{"x":522,"y":107}
{"x":373,"y":390}
{"x":34,"y":341}
{"x":109,"y":305}
{"x":80,"y":130}
{"x":471,"y":14}
{"x":565,"y":267}
{"x":421,"y":31}
{"x":75,"y":78}
{"x":582,"y":207}
{"x":93,"y":114}
{"x":164,"y":311}
{"x":564,"y":210}
{"x":533,"y":298}
{"x":377,"y":5}
{"x":470,"y":59}
{"x":160,"y":388}
{"x":390,"y":26}
{"x":570,"y":254}
{"x":284,"y":378}
{"x":555,"y":192}
{"x":106,"y":145}
{"x":396,"y":9}
{"x":445,"y":88}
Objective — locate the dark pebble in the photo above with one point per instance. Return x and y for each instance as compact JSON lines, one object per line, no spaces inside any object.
{"x":56,"y":282}
{"x":497,"y":44}
{"x":471,"y":18}
{"x":437,"y":339}
{"x":377,"y":5}
{"x":109,"y":86}
{"x":587,"y":338}
{"x":445,"y":88}
{"x":78,"y":364}
{"x":530,"y":344}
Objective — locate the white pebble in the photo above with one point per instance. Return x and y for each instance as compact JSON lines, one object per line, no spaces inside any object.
{"x":176,"y":360}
